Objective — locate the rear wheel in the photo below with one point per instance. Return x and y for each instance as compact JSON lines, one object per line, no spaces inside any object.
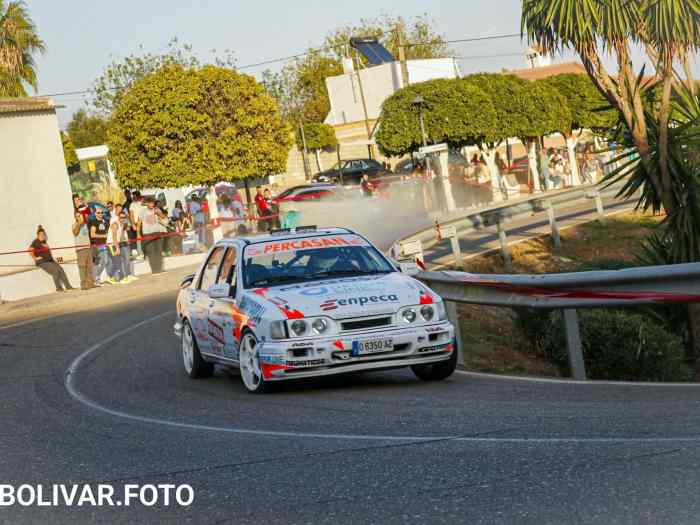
{"x":195,"y":365}
{"x":437,"y":371}
{"x":251,"y":372}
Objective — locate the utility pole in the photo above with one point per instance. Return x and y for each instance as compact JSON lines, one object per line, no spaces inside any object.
{"x":370,"y":149}
{"x":402,"y":56}
{"x":304,"y":153}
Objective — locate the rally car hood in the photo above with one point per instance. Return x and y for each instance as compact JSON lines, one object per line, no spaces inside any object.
{"x":345,"y":297}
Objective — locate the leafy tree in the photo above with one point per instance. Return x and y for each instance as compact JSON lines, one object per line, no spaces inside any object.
{"x":588,"y":110}
{"x":119,"y":75}
{"x":69,"y":154}
{"x":19,"y":42}
{"x":454,"y":111}
{"x":317,"y":136}
{"x":87,"y":130}
{"x":180,"y":126}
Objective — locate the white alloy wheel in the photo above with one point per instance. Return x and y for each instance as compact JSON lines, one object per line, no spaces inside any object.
{"x":195,"y":365}
{"x":251,"y":373}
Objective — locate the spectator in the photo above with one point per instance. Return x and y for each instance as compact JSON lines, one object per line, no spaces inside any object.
{"x":41,"y":255}
{"x":119,"y":246}
{"x":238,"y":213}
{"x":99,"y":229}
{"x":151,"y":224}
{"x":83,"y":250}
{"x":134,"y":211}
{"x":199,"y":223}
{"x":226,"y":217}
{"x":110,"y":209}
{"x":79,"y":205}
{"x":263,"y":210}
{"x":178,"y":218}
{"x":273,"y":213}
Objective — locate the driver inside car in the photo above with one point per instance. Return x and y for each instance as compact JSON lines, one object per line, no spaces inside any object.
{"x":330,"y":260}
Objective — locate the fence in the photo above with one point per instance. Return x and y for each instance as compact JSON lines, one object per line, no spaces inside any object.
{"x":568,"y":292}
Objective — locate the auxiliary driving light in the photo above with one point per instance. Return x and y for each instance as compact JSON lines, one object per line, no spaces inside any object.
{"x":320,"y":325}
{"x":427,"y":312}
{"x":299,"y":327}
{"x":409,"y":315}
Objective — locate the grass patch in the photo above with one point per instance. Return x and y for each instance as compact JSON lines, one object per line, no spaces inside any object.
{"x":491,"y":338}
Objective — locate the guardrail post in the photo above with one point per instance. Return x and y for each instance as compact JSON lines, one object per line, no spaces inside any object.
{"x":573,"y":345}
{"x":503,"y":239}
{"x":553,"y":224}
{"x":453,"y":316}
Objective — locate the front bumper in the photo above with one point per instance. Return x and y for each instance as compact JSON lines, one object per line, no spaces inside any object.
{"x":321,"y":356}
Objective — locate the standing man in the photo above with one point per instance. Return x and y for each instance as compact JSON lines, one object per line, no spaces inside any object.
{"x":199,"y":222}
{"x":99,"y":228}
{"x":119,"y":246}
{"x":151,"y":225}
{"x":263,"y":210}
{"x":367,"y":187}
{"x":79,"y":205}
{"x":83,"y":250}
{"x":134,"y":210}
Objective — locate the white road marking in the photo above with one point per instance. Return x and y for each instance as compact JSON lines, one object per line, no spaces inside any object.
{"x":84,"y":359}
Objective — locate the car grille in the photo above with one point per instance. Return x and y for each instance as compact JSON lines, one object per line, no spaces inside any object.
{"x":362,"y":324}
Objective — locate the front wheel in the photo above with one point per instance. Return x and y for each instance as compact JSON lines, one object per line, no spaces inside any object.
{"x":195,"y":365}
{"x":251,"y":373}
{"x":437,"y":371}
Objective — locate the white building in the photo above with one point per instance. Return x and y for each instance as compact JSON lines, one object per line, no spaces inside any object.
{"x":34,"y":185}
{"x":378,"y":84}
{"x":95,"y":159}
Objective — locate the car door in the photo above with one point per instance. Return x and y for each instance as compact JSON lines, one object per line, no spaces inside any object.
{"x":224,"y":318}
{"x":200,"y":301}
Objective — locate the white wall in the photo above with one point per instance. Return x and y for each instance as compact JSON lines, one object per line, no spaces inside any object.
{"x":34,"y":186}
{"x":378,"y":82}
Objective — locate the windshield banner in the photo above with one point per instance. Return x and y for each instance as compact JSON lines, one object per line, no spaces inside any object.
{"x":331,"y":241}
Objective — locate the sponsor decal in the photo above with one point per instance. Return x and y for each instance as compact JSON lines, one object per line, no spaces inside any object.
{"x":327,"y":283}
{"x":339,"y":345}
{"x":426,"y":298}
{"x":357,"y":288}
{"x":268,"y":370}
{"x":283,"y":306}
{"x":332,"y":304}
{"x":309,"y":362}
{"x":304,"y":244}
{"x":253,"y":309}
{"x":216,"y":332}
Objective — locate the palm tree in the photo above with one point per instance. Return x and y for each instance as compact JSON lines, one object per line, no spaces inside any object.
{"x":666,"y":133}
{"x":19,"y":42}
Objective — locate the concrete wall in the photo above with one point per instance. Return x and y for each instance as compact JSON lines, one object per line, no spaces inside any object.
{"x":34,"y":186}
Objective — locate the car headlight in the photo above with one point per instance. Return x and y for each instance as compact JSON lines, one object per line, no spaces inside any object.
{"x":409,"y":315}
{"x":299,"y":327}
{"x":441,"y":311}
{"x":427,"y":312}
{"x":320,"y":325}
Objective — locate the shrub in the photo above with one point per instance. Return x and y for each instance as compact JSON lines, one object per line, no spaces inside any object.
{"x":617,"y":345}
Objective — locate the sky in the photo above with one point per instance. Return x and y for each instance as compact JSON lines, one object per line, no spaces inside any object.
{"x":83,"y":36}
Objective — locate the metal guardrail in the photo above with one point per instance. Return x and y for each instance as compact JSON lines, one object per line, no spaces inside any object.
{"x":508,"y":211}
{"x":569,"y":291}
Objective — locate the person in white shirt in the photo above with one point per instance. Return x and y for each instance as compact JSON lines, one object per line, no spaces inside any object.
{"x":134,"y":211}
{"x":118,"y":241}
{"x":151,"y":224}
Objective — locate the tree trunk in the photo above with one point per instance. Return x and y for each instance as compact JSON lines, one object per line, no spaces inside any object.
{"x":573,"y":164}
{"x":532,"y":163}
{"x":490,"y":157}
{"x":318,"y":160}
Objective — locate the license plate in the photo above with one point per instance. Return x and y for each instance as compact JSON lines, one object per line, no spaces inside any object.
{"x":372,"y":346}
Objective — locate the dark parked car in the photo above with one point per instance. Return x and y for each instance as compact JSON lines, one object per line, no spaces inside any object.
{"x":308,"y":192}
{"x":352,"y":171}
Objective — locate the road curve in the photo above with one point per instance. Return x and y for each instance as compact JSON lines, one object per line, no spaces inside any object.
{"x":98,"y":395}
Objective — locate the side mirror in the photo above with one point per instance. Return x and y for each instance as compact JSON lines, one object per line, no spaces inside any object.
{"x":219,"y":291}
{"x":409,"y":268}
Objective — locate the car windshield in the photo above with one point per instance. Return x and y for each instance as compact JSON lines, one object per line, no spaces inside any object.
{"x":297,"y":260}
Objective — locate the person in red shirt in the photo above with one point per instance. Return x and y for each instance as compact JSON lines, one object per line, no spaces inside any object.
{"x":264,"y":210}
{"x":81,"y":207}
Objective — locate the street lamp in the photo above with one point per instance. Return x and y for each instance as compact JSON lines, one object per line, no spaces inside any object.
{"x":419,"y":101}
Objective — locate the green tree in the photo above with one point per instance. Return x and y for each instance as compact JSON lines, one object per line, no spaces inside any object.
{"x":120,"y":75}
{"x":588,"y":110}
{"x":87,"y":130}
{"x":180,"y":126}
{"x":19,"y":42}
{"x":71,"y":158}
{"x":317,"y":136}
{"x":454,"y":111}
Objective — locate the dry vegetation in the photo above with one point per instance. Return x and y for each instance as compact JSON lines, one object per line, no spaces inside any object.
{"x":491,"y":338}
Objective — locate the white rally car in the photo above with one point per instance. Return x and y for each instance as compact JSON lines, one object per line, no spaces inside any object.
{"x":303,"y":303}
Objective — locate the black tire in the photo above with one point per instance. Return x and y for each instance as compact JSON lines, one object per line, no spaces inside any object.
{"x":197,"y":367}
{"x":437,"y":371}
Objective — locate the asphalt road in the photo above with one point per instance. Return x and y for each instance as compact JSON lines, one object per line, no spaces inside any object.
{"x":375,"y":448}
